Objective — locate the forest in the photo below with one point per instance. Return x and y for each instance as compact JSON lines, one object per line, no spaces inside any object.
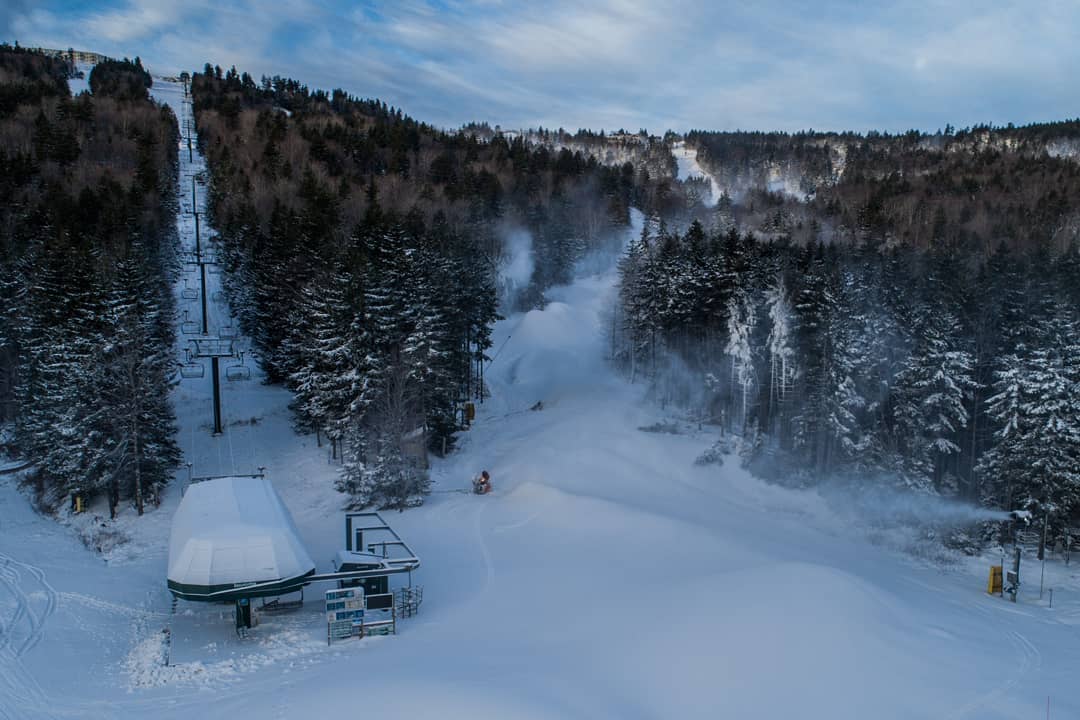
{"x":971,"y":189}
{"x":893,"y":310}
{"x":87,"y":250}
{"x":362,"y":250}
{"x":941,"y":370}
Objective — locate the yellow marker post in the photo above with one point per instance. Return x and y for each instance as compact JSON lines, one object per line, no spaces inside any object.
{"x":994,"y":586}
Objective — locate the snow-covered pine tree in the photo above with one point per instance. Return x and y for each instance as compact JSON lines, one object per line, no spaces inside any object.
{"x":930,"y":407}
{"x":638,"y":277}
{"x":136,"y":366}
{"x":1035,"y":402}
{"x":783,"y":368}
{"x":742,"y":316}
{"x":325,"y":356}
{"x":815,"y":308}
{"x":386,"y":403}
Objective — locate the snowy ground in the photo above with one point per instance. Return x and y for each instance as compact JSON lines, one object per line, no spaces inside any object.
{"x":78,"y":85}
{"x":607,"y":576}
{"x":689,"y":167}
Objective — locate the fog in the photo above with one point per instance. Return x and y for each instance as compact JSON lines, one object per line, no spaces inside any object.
{"x":516,"y":267}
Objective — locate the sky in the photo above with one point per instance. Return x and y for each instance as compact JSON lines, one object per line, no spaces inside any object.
{"x":718,"y":65}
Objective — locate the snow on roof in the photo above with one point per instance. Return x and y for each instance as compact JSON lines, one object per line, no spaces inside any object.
{"x":234,"y":530}
{"x":353,"y":557}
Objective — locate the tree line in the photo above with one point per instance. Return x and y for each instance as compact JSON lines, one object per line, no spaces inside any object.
{"x":87,"y":253}
{"x":974,"y":188}
{"x":941,"y":371}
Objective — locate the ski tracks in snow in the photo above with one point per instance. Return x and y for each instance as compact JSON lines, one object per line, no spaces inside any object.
{"x":11,"y":580}
{"x":1028,"y":659}
{"x":19,"y":691}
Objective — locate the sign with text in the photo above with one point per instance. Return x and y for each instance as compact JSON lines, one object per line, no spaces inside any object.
{"x":346,"y":604}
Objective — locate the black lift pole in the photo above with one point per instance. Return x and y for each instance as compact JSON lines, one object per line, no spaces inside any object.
{"x":217,"y":394}
{"x":215,"y":349}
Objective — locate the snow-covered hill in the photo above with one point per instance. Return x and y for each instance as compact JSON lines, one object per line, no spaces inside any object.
{"x":606,"y":576}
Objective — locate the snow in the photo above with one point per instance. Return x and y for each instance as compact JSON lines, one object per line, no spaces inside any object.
{"x":686,"y":157}
{"x":606,"y":576}
{"x":352,"y":557}
{"x":77,"y":84}
{"x":234,"y":530}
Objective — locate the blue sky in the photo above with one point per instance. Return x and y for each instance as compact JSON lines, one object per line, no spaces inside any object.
{"x":765,"y":64}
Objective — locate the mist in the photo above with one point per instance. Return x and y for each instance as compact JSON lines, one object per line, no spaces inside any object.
{"x":516,"y":267}
{"x":884,"y":505}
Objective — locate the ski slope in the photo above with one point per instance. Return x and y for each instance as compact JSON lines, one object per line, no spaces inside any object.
{"x":686,"y":157}
{"x":606,"y":576}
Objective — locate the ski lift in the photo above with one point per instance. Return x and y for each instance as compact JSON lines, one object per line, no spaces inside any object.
{"x":227,"y":331}
{"x":189,"y":327}
{"x":212,"y":268}
{"x":189,"y":293}
{"x":240,"y":371}
{"x":191,"y":369}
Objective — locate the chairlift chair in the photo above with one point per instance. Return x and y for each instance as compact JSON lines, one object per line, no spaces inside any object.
{"x":227,"y":331}
{"x":237,"y":372}
{"x":191,"y":370}
{"x":213,"y":268}
{"x":190,"y":327}
{"x":189,"y":293}
{"x":240,"y":371}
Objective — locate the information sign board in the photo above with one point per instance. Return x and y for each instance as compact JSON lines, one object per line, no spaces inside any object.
{"x":344,"y":612}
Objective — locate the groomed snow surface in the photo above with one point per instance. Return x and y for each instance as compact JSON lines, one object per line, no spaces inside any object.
{"x":606,"y":576}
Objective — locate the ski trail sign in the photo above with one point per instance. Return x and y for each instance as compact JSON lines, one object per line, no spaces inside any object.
{"x":344,"y":613}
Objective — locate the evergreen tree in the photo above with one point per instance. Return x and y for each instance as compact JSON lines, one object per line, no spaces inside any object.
{"x":933,"y":388}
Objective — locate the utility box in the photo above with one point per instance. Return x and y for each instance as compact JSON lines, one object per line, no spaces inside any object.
{"x":353,"y":561}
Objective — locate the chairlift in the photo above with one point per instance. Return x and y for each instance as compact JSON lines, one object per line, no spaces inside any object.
{"x":213,"y":268}
{"x":227,"y":331}
{"x":240,"y":371}
{"x":192,"y":370}
{"x":190,"y":327}
{"x":189,"y":293}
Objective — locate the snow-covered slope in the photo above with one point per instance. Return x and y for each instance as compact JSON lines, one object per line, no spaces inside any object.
{"x":689,"y":167}
{"x":606,"y":576}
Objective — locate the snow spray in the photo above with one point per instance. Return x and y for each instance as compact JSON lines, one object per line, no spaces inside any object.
{"x":892,"y":506}
{"x":517,"y":265}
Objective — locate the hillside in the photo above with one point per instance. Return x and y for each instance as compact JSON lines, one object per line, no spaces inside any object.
{"x":644,"y":336}
{"x":972,"y":189}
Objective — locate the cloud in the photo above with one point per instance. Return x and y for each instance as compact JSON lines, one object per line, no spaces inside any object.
{"x":9,"y":11}
{"x":835,"y":64}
